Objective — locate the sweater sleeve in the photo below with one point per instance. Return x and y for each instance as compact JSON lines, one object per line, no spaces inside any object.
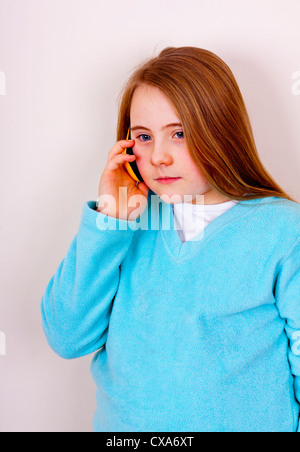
{"x":77,"y":303}
{"x":287,"y":296}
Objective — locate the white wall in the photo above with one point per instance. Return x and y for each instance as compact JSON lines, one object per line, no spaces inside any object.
{"x":62,"y":64}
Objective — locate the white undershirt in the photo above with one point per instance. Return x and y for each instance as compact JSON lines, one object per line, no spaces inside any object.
{"x":191,"y":219}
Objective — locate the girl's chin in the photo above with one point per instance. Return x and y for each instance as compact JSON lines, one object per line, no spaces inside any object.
{"x":173,"y":198}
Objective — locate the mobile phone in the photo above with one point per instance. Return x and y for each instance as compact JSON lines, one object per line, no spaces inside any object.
{"x":131,"y":167}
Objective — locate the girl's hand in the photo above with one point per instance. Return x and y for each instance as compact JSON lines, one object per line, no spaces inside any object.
{"x":117,"y":188}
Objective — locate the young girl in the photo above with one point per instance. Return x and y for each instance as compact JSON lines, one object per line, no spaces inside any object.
{"x":197,"y":325}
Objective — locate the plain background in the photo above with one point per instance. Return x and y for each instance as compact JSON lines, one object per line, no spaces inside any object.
{"x":64,"y":63}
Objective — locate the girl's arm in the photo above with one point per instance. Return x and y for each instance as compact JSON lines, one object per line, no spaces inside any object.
{"x":287,"y":295}
{"x":77,"y":303}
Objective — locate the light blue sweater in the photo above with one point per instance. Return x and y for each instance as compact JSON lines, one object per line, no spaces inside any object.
{"x":198,"y":336}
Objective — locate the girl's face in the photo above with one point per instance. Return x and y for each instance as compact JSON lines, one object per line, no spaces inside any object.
{"x":161,"y":150}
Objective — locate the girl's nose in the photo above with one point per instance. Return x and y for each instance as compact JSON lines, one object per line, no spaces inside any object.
{"x":160,"y":155}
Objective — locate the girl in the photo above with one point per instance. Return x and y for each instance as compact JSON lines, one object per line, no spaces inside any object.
{"x":196,"y":326}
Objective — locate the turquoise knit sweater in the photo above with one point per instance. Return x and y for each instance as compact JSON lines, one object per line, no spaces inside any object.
{"x":198,"y":336}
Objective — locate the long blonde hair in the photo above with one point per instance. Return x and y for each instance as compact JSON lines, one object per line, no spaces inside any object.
{"x":215,"y":121}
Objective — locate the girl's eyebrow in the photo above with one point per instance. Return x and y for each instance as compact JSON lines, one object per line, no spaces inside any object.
{"x":173,"y":124}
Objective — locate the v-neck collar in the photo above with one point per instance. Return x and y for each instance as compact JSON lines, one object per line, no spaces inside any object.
{"x":182,"y":250}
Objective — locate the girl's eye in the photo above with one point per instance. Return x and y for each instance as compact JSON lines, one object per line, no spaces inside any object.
{"x":179,"y":134}
{"x":144,"y":137}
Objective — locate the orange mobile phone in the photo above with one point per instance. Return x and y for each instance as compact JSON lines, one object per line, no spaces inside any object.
{"x":131,"y":167}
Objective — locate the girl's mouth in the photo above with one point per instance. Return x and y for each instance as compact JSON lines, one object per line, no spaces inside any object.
{"x":168,"y":180}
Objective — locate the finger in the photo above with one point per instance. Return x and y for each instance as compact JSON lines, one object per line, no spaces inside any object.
{"x":120,"y":146}
{"x":119,"y":160}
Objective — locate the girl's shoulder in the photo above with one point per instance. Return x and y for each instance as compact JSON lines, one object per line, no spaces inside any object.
{"x":282,"y":213}
{"x":282,"y":205}
{"x":278,"y":212}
